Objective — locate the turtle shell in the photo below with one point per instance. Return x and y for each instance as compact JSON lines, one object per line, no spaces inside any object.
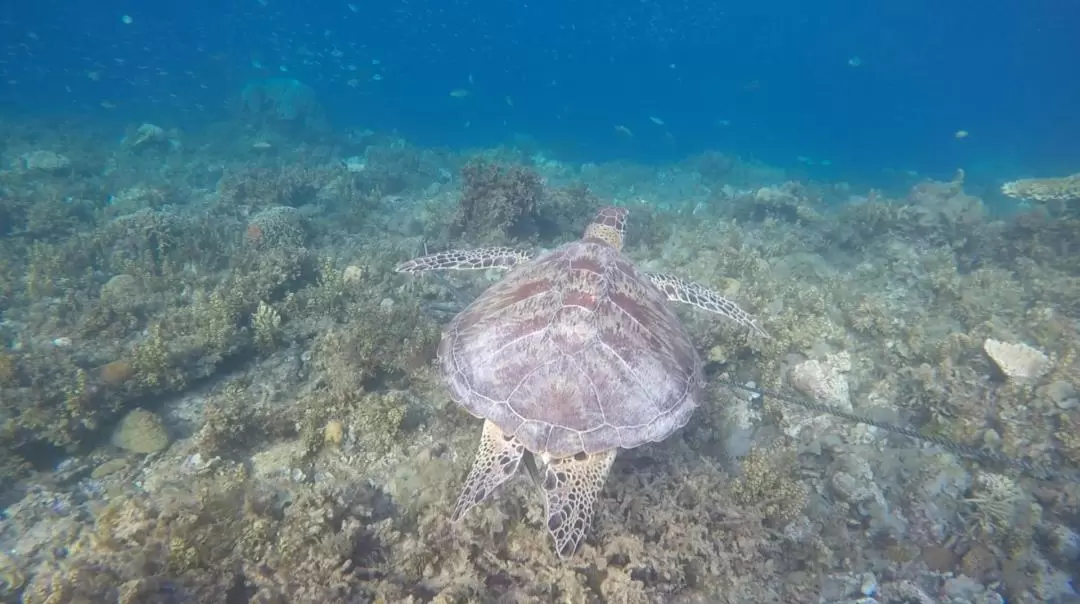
{"x":575,"y":351}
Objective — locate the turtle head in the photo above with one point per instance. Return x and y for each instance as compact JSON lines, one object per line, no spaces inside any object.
{"x":608,"y":226}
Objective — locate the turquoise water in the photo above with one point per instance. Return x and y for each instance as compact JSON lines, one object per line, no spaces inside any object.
{"x":866,"y":87}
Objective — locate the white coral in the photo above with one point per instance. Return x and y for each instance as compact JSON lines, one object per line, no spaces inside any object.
{"x":44,"y":161}
{"x":1017,"y":361}
{"x":825,"y":381}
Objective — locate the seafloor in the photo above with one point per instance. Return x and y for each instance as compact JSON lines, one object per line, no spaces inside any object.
{"x":214,"y":388}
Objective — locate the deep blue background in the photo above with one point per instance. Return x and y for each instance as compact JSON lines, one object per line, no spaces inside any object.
{"x":1007,"y":72}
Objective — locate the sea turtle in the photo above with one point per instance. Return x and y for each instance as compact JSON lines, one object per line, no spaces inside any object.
{"x":571,"y":356}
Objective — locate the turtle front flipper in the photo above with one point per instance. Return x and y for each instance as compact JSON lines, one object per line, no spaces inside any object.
{"x":496,"y":462}
{"x":699,"y":296}
{"x":491,"y":257}
{"x":571,"y":486}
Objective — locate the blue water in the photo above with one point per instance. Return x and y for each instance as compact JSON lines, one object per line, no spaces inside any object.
{"x":868,"y":87}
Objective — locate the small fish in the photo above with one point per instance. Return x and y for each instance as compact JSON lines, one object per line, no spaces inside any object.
{"x":656,"y":120}
{"x":854,"y":62}
{"x":509,"y":101}
{"x":960,"y":134}
{"x":459,"y":93}
{"x":623,"y":130}
{"x":127,"y":20}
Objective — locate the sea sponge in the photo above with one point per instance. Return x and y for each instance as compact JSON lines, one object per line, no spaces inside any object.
{"x":141,"y":431}
{"x":1044,"y":189}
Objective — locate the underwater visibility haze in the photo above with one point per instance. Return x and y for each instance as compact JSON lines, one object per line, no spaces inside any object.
{"x":519,"y":301}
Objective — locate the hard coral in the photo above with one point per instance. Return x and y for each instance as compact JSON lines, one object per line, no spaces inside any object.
{"x":497,"y":202}
{"x":141,"y":432}
{"x":1017,"y":361}
{"x":277,"y":226}
{"x":1044,"y":189}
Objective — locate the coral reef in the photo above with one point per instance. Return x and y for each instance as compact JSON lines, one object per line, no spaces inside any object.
{"x":214,"y":388}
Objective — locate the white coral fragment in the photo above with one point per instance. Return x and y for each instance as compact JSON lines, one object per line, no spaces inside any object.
{"x":1017,"y":361}
{"x":825,"y":381}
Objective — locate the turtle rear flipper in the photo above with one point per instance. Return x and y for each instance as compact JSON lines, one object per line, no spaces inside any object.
{"x":496,"y":462}
{"x":571,"y":486}
{"x":699,"y":296}
{"x":465,"y":260}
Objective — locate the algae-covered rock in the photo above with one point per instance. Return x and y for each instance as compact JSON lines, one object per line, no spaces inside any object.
{"x":141,"y":432}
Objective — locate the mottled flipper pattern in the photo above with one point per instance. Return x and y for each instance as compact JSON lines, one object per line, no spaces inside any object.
{"x":571,"y":486}
{"x":688,"y":292}
{"x":497,"y":461}
{"x":464,"y":260}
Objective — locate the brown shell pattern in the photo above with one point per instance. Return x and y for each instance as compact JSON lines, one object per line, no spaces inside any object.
{"x":574,"y":352}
